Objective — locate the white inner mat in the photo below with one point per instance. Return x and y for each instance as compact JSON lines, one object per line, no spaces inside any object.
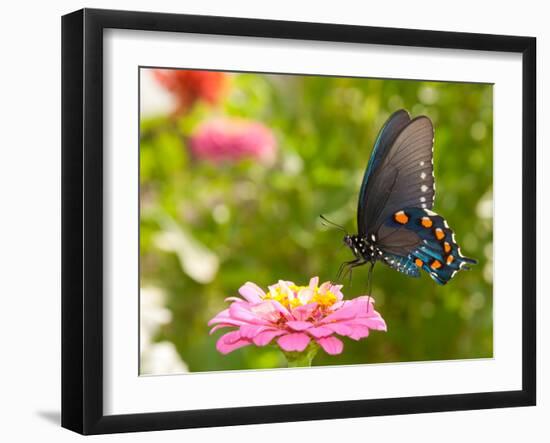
{"x":125,"y":392}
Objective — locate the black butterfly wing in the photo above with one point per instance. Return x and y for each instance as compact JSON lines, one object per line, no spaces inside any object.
{"x":401,"y":176}
{"x":396,"y":239}
{"x":385,"y":139}
{"x":423,"y":238}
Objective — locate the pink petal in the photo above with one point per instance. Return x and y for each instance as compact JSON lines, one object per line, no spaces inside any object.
{"x":313,"y":282}
{"x":265,"y":337}
{"x":340,"y":328}
{"x":280,"y":308}
{"x":364,"y":305}
{"x":297,"y":341}
{"x":331,"y":345}
{"x":348,"y":312}
{"x":372,"y":313}
{"x":231,"y":337}
{"x":320,"y":331}
{"x":326,"y":286}
{"x":358,"y":332}
{"x":252,"y":292}
{"x":239,"y":312}
{"x":336,"y":290}
{"x":284,"y":287}
{"x":377,"y":323}
{"x":267,"y":311}
{"x":220,"y":316}
{"x":225,"y":348}
{"x":234,"y":299}
{"x":299,"y":325}
{"x":300,"y":313}
{"x":226,"y":320}
{"x":374,"y":321}
{"x":220,"y":326}
{"x":305,"y":295}
{"x":250,"y":331}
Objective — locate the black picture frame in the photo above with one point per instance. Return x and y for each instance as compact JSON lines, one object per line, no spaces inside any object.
{"x":82,"y":220}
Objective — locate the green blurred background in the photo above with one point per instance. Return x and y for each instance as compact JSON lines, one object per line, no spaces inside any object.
{"x":206,"y":227}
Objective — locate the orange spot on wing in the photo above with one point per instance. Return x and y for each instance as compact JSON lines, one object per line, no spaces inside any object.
{"x":436,"y":264}
{"x":426,"y":222}
{"x":446,"y":247}
{"x":450,"y":259}
{"x":401,"y":217}
{"x":439,"y":234}
{"x":418,"y":262}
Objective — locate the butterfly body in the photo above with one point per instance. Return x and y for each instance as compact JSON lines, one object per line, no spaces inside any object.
{"x":362,"y":248}
{"x":395,"y":222}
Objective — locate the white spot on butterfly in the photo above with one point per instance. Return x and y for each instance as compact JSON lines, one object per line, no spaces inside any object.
{"x":422,"y":199}
{"x":424,"y":206}
{"x":422,"y":163}
{"x":422,"y":175}
{"x":373,"y":237}
{"x":423,"y":188}
{"x":427,"y":211}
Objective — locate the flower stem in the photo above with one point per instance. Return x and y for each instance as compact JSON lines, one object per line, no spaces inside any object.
{"x":302,"y":359}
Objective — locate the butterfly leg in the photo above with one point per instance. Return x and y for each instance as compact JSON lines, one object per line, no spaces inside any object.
{"x":343,"y":267}
{"x":369,"y":283}
{"x":347,"y":268}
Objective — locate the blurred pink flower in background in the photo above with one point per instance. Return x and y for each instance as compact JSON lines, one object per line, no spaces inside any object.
{"x":294,"y":316}
{"x":232,"y":139}
{"x":190,"y":86}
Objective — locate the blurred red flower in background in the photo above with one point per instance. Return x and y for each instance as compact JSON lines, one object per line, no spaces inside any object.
{"x":231,"y":139}
{"x":190,"y":86}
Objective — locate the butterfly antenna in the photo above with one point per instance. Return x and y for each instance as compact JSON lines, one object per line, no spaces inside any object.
{"x":327,"y":222}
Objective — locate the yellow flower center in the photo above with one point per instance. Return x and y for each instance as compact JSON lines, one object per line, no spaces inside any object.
{"x":326,"y":299}
{"x":300,"y":296}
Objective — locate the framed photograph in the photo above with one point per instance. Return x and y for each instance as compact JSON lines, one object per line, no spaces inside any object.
{"x":269,"y":221}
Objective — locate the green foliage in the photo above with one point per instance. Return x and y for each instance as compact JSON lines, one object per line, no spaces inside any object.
{"x":262,"y":223}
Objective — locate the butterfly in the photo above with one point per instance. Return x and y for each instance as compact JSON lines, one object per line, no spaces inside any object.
{"x":395,"y":221}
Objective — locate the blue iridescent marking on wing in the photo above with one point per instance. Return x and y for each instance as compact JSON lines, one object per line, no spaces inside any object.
{"x":405,"y":265}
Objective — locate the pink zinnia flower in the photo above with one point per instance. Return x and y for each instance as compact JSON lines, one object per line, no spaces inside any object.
{"x":233,"y":139}
{"x":294,"y":316}
{"x":190,"y":86}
